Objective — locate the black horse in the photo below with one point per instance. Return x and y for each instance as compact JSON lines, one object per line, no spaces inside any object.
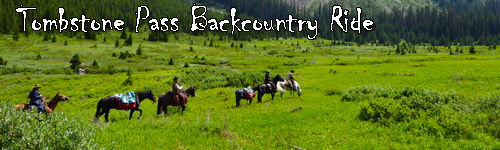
{"x":241,"y":94}
{"x":267,"y":88}
{"x":111,"y":102}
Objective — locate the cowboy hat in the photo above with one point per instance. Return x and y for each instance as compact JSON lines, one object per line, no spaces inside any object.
{"x":36,"y":87}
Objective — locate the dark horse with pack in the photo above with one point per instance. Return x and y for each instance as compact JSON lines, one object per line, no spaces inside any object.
{"x":117,"y":102}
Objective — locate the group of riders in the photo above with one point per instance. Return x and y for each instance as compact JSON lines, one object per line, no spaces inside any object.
{"x":289,"y":80}
{"x":37,"y":100}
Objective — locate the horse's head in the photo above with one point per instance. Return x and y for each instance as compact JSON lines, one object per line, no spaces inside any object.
{"x":151,"y":96}
{"x":278,"y":78}
{"x":60,"y":97}
{"x":191,"y":91}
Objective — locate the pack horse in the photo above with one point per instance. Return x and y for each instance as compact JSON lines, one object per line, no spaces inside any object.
{"x":129,"y":101}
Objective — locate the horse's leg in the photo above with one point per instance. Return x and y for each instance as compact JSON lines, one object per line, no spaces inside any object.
{"x":272,"y":95}
{"x":164,"y":109}
{"x":131,"y":113}
{"x":260,"y":97}
{"x":97,"y":115}
{"x":140,"y":114}
{"x":237,"y":101}
{"x":250,"y":101}
{"x":106,"y":115}
{"x":183,"y":105}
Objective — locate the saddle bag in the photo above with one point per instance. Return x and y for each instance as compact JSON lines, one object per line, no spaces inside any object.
{"x":250,"y":95}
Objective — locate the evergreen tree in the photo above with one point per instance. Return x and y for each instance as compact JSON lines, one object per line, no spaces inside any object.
{"x":241,"y":45}
{"x":472,"y":50}
{"x":46,"y":37}
{"x":128,"y":42}
{"x":171,"y":62}
{"x":117,"y":43}
{"x":54,"y":39}
{"x":95,"y":64}
{"x":124,"y":35}
{"x":75,"y":62}
{"x":139,"y":50}
{"x":15,"y":36}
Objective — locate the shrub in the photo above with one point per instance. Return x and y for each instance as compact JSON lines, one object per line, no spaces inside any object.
{"x":186,"y":65}
{"x":95,"y":64}
{"x":3,"y":62}
{"x":191,"y":49}
{"x":29,"y":130}
{"x":39,"y":57}
{"x":54,"y":39}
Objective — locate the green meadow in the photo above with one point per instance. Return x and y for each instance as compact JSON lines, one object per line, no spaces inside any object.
{"x":354,"y":97}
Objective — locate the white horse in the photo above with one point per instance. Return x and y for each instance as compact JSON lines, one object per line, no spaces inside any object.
{"x":280,"y":86}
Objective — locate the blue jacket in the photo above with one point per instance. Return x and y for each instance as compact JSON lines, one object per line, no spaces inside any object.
{"x":35,"y":95}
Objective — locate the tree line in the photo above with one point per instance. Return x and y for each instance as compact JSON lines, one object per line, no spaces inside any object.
{"x":447,"y":22}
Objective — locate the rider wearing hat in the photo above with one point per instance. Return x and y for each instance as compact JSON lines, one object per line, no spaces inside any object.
{"x":36,"y":99}
{"x":267,"y":80}
{"x":176,"y":89}
{"x":290,"y":79}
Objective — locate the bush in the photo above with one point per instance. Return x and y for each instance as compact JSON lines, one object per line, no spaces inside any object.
{"x":39,"y":57}
{"x":30,"y":130}
{"x":423,"y":111}
{"x":3,"y":62}
{"x":186,"y":65}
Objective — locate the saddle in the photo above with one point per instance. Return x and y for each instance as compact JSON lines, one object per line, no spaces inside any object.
{"x":176,"y":97}
{"x":126,"y":101}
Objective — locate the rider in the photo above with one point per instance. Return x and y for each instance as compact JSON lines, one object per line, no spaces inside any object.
{"x":176,"y":89}
{"x":36,"y":99}
{"x":268,"y":80}
{"x":290,"y":79}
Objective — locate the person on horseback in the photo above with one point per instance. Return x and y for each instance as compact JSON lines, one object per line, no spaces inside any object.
{"x":267,"y":80}
{"x":176,"y":89}
{"x":36,"y":99}
{"x":290,"y":79}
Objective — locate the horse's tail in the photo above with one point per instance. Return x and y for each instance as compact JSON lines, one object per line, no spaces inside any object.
{"x":99,"y":107}
{"x":160,"y":104}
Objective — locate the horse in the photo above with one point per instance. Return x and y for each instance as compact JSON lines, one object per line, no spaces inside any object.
{"x":282,"y":88}
{"x":110,"y":102}
{"x":241,"y":94}
{"x":49,"y":106}
{"x":266,"y":88}
{"x":166,"y":100}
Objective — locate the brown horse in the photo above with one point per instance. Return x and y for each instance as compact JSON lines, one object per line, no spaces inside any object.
{"x":166,"y":100}
{"x":49,"y":106}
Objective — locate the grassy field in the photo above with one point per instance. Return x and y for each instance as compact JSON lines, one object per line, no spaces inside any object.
{"x":326,"y":73}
